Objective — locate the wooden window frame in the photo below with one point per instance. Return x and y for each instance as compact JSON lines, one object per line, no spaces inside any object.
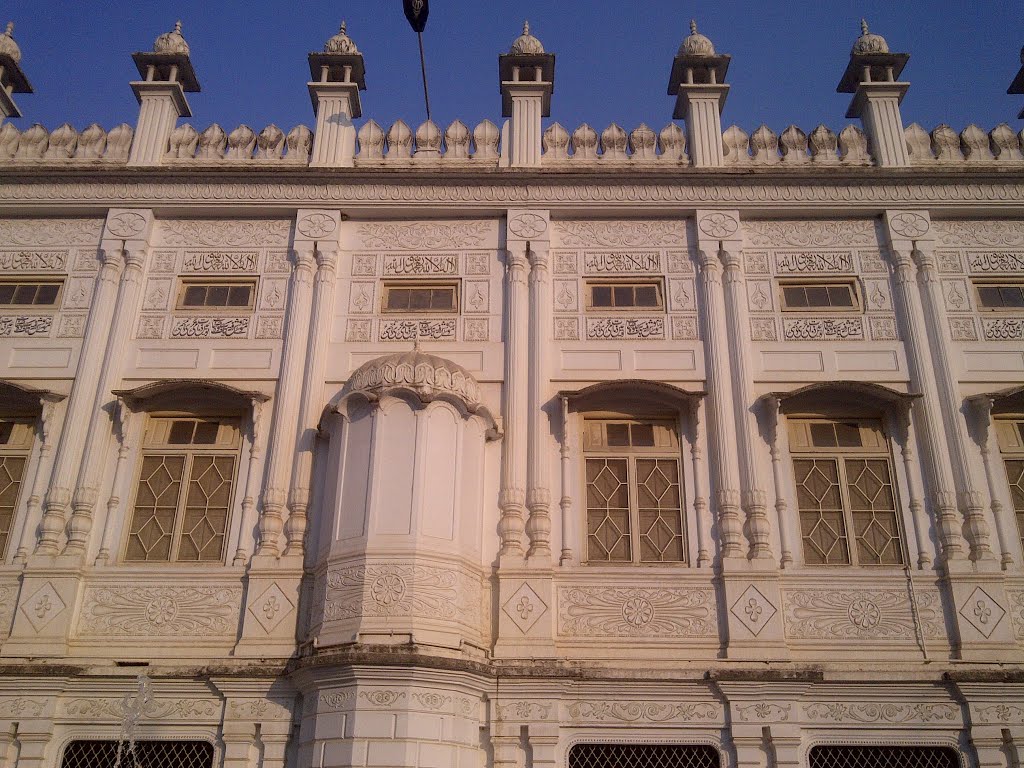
{"x":631,"y":454}
{"x":185,"y":283}
{"x":656,"y":282}
{"x":37,"y":280}
{"x":152,"y":447}
{"x":841,"y":455}
{"x":19,"y":447}
{"x":1007,"y":283}
{"x":390,"y":285}
{"x":1009,"y":430}
{"x":849,"y":282}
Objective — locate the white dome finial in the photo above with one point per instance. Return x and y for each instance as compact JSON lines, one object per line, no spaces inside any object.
{"x":696,"y":44}
{"x":171,"y":42}
{"x":869,"y":42}
{"x":341,"y":42}
{"x":7,"y":44}
{"x":526,"y":43}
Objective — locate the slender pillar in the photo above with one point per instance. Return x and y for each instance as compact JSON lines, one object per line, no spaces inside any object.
{"x":309,"y":408}
{"x":83,"y":394}
{"x":565,"y":502}
{"x":94,"y":457}
{"x":754,"y":498}
{"x":513,"y":459}
{"x":927,"y":409}
{"x":719,"y":378}
{"x":778,"y":434}
{"x":538,"y":482}
{"x":286,"y":401}
{"x":33,"y":507}
{"x":698,"y":437}
{"x":983,"y":405}
{"x":125,"y":448}
{"x":248,"y":517}
{"x":912,"y":470}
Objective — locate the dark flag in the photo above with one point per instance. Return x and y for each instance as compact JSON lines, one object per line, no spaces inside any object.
{"x":416,"y":12}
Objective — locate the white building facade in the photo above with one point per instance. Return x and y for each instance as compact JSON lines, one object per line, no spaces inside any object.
{"x":505,"y":446}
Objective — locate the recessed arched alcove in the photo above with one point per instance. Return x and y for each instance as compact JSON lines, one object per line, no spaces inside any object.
{"x":399,"y":556}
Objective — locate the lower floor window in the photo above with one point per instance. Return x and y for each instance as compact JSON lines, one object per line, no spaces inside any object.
{"x":152,"y":754}
{"x":643,"y":756}
{"x":883,"y":757}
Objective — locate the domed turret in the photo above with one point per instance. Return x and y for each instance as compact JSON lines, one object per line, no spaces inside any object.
{"x":341,"y":42}
{"x":696,"y":44}
{"x":526,"y":44}
{"x":171,"y":42}
{"x":7,"y":44}
{"x":869,"y":42}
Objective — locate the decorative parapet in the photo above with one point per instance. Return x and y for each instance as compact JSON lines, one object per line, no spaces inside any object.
{"x":614,"y":145}
{"x":65,"y":143}
{"x":399,"y":144}
{"x":972,"y":145}
{"x":794,"y":147}
{"x":241,"y":145}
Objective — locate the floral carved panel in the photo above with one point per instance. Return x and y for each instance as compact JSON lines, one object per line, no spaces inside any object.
{"x":418,"y":235}
{"x":836,"y":614}
{"x":860,"y":232}
{"x":636,"y":612}
{"x":229,"y":233}
{"x":159,"y":611}
{"x":623,"y":234}
{"x":40,"y":232}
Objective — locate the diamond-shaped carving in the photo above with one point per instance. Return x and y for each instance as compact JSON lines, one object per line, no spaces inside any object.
{"x":753,"y":609}
{"x":983,"y":613}
{"x":524,"y":607}
{"x":271,"y":608}
{"x":43,"y":607}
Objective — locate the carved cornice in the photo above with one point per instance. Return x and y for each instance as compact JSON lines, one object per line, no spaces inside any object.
{"x":871,"y":190}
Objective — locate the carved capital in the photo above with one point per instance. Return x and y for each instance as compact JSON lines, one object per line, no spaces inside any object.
{"x":327,"y":261}
{"x":304,"y":265}
{"x":710,"y":266}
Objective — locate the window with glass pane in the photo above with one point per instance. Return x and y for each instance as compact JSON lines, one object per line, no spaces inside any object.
{"x":624,"y":295}
{"x":845,"y":493}
{"x":421,"y":297}
{"x":1010,"y":434}
{"x":211,"y":295}
{"x":29,"y":293}
{"x":15,"y":445}
{"x":634,"y":492}
{"x":817,"y":295}
{"x":1001,"y":295}
{"x":183,"y":499}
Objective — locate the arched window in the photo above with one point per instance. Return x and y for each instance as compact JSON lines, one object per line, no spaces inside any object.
{"x":847,"y":493}
{"x":187,"y":474}
{"x":633,"y":483}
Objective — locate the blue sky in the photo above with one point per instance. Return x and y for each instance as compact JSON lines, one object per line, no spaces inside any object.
{"x":613,"y":58}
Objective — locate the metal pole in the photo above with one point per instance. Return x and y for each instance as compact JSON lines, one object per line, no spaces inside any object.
{"x":423,"y":69}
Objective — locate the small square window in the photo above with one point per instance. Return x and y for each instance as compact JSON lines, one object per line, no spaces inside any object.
{"x":837,"y":296}
{"x":1001,"y":296}
{"x":624,"y":295}
{"x":29,"y":293}
{"x":421,"y":297}
{"x":217,"y":294}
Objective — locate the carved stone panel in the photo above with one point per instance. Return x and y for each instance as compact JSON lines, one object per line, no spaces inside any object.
{"x":420,"y":264}
{"x":360,"y":298}
{"x":566,"y":295}
{"x":273,"y":294}
{"x":34,"y":326}
{"x":859,"y":614}
{"x":620,"y":234}
{"x":684,"y":328}
{"x":634,"y":328}
{"x":999,"y":329}
{"x":759,"y":296}
{"x":410,"y":330}
{"x":133,"y":610}
{"x":158,"y":294}
{"x":681,"y":295}
{"x":567,"y":329}
{"x":228,"y":233}
{"x":621,"y":262}
{"x":877,"y":295}
{"x":214,"y":327}
{"x":476,"y":296}
{"x":823,"y":328}
{"x":957,"y":295}
{"x":608,"y":612}
{"x":814,"y":262}
{"x":428,"y":235}
{"x":33,"y":261}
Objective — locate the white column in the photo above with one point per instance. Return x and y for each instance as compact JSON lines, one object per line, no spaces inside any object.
{"x":538,"y":483}
{"x":32,"y":508}
{"x":160,"y":106}
{"x":334,"y":142}
{"x":912,"y":470}
{"x":126,"y":445}
{"x":1004,"y":524}
{"x":698,"y":437}
{"x":248,"y":517}
{"x":878,"y":105}
{"x":754,"y":498}
{"x":778,"y":434}
{"x":719,"y":378}
{"x":704,"y":129}
{"x":565,"y":502}
{"x":83,"y":393}
{"x":513,"y":458}
{"x":312,"y":387}
{"x":526,"y":128}
{"x":976,"y":528}
{"x":286,"y":402}
{"x":94,"y":458}
{"x":926,"y":410}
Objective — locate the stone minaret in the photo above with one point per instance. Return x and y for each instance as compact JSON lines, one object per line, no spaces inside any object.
{"x":338,"y":74}
{"x":698,"y":83}
{"x":167,"y":76}
{"x":527,"y":76}
{"x":872,"y":76}
{"x":12,"y":79}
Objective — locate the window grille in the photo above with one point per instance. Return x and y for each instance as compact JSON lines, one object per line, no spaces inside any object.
{"x":882,"y":757}
{"x":643,"y":756}
{"x":148,"y":754}
{"x":1010,"y":434}
{"x":15,"y":446}
{"x":845,"y":493}
{"x":184,"y":494}
{"x":634,"y":493}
